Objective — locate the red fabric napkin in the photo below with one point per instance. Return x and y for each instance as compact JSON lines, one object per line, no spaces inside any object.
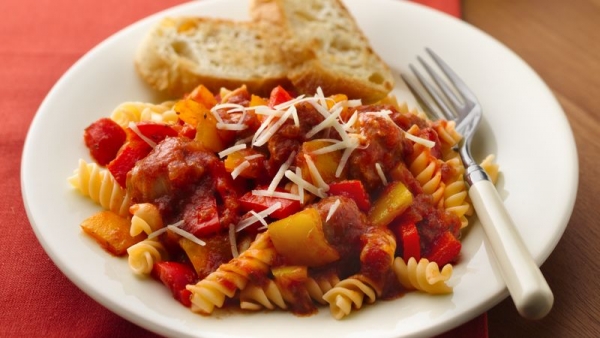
{"x":451,"y":7}
{"x":40,"y":40}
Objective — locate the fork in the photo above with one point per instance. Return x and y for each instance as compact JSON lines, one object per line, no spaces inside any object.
{"x":526,"y":284}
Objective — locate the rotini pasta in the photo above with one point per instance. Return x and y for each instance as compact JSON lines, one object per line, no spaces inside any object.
{"x":348,"y":295}
{"x":144,"y":254}
{"x":99,"y":185}
{"x":232,"y":276}
{"x":254,"y":297}
{"x":317,"y":287}
{"x":490,"y":168}
{"x":427,"y":170}
{"x":448,"y":137}
{"x":423,"y":276}
{"x":139,"y":111}
{"x":456,"y":199}
{"x":146,"y":218}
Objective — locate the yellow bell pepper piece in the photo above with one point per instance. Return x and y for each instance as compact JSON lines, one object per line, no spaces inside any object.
{"x":300,"y":239}
{"x":391,"y":204}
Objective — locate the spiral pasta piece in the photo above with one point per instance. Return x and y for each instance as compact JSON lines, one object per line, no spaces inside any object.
{"x":348,"y":295}
{"x":317,"y":287}
{"x":491,"y":168}
{"x":456,"y":197}
{"x":144,"y":254}
{"x":146,"y":218}
{"x":233,"y":276}
{"x":448,"y":137}
{"x":426,"y":169}
{"x":254,"y":297}
{"x":423,"y":276}
{"x":128,"y":112}
{"x":99,"y":185}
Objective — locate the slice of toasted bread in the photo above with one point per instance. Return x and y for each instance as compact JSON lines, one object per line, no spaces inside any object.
{"x":326,"y":48}
{"x":182,"y":52}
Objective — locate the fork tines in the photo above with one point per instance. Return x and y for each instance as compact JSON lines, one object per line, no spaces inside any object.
{"x":448,"y":105}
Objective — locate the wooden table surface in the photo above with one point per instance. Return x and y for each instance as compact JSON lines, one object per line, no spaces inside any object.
{"x":560,"y":40}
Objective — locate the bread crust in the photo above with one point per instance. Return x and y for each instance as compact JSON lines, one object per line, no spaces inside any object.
{"x":173,"y":72}
{"x":315,"y":55}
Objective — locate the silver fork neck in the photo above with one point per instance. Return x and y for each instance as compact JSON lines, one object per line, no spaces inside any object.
{"x":473,"y":171}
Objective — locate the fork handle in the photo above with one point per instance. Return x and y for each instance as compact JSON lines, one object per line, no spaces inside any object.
{"x":528,"y":288}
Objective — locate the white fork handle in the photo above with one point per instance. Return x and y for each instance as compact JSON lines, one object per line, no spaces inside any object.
{"x":528,"y":288}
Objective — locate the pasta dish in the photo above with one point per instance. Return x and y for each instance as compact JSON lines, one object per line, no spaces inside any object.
{"x":261,"y":203}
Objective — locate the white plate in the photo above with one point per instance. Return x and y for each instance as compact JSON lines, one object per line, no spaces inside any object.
{"x":524,"y":126}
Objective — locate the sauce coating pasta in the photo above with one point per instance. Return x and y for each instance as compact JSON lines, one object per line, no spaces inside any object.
{"x":286,"y":203}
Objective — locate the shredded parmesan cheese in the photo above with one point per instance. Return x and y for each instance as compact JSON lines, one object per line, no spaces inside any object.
{"x":351,"y":121}
{"x":345,"y":156}
{"x":268,"y":133}
{"x":335,"y":146}
{"x":157,"y":233}
{"x":232,"y":149}
{"x":279,"y":194}
{"x":299,"y":188}
{"x":257,"y":216}
{"x":231,"y":126}
{"x":321,"y":97}
{"x":232,"y":107}
{"x":137,"y":131}
{"x":381,"y":174}
{"x":322,"y":110}
{"x":302,"y":183}
{"x":328,"y":122}
{"x":419,"y":140}
{"x":215,"y":113}
{"x":334,"y":207}
{"x":240,"y":169}
{"x":163,"y":230}
{"x":279,"y":176}
{"x":287,"y":104}
{"x":315,"y":174}
{"x":186,"y":234}
{"x":253,"y":157}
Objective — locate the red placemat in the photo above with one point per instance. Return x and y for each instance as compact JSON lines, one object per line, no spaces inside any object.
{"x":41,"y":39}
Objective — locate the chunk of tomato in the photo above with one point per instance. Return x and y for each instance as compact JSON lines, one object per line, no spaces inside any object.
{"x":411,"y":241}
{"x":353,"y":189}
{"x":445,"y":249}
{"x":259,"y":203}
{"x":278,"y":96}
{"x":104,"y":138}
{"x":175,"y":276}
{"x":126,"y":159}
{"x":155,"y":131}
{"x":201,"y":216}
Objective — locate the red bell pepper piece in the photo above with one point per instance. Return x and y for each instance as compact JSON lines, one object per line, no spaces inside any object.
{"x":278,"y":96}
{"x":129,"y":154}
{"x":445,"y":249}
{"x":185,"y":130}
{"x":259,"y":203}
{"x":154,"y":131}
{"x":104,"y":138}
{"x":201,"y":216}
{"x":411,"y":241}
{"x":175,"y":276}
{"x":353,"y":189}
